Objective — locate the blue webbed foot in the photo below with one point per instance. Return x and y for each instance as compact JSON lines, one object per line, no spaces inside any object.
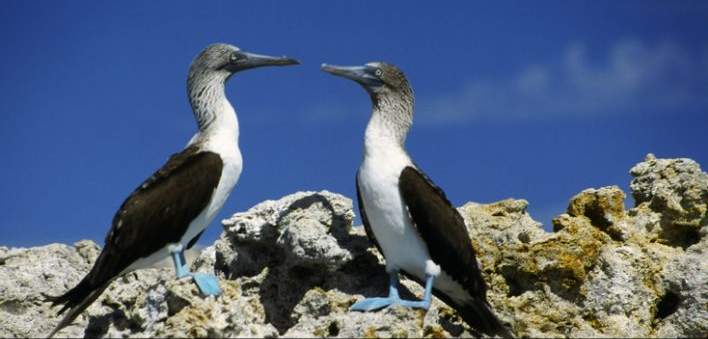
{"x":373,"y":304}
{"x":424,"y":304}
{"x":207,"y":283}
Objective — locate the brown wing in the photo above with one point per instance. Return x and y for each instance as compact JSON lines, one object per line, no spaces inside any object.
{"x":155,"y":214}
{"x":443,"y":230}
{"x":160,"y":210}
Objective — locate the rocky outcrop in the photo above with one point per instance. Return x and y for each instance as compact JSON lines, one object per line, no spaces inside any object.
{"x":292,"y":268}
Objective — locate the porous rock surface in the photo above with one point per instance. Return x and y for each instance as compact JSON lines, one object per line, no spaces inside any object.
{"x":292,"y":268}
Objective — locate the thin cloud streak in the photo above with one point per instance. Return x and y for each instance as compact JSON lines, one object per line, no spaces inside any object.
{"x":631,"y":77}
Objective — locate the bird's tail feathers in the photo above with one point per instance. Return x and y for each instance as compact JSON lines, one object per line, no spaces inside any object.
{"x":480,"y":316}
{"x":76,"y":300}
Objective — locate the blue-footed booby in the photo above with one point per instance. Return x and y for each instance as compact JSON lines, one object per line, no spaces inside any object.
{"x":168,"y":212}
{"x":407,"y":217}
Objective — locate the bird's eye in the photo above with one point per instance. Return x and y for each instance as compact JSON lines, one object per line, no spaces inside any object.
{"x":379,"y":72}
{"x":233,"y":57}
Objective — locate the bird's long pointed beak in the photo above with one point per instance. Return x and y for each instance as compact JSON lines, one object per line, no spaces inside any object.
{"x":355,"y":73}
{"x":363,"y":75}
{"x":252,"y":60}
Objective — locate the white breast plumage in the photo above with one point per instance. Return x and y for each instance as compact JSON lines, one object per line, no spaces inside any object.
{"x":378,"y":179}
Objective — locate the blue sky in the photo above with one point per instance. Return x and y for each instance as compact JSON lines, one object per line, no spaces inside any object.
{"x":534,"y":100}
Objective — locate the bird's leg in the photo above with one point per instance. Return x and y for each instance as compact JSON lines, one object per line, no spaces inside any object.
{"x":393,"y":286}
{"x":373,"y":304}
{"x":427,"y":296}
{"x":181,"y":269}
{"x":207,"y":283}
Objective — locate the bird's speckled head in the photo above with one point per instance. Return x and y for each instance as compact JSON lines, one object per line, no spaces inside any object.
{"x":212,"y":68}
{"x":391,"y":78}
{"x":220,"y":61}
{"x":390,"y":92}
{"x":214,"y":57}
{"x":380,"y":79}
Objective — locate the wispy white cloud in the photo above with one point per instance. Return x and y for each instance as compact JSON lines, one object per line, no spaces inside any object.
{"x":631,"y":76}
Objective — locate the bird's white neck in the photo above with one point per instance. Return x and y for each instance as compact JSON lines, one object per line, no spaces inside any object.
{"x":387,"y":128}
{"x":215,"y":115}
{"x":383,"y":138}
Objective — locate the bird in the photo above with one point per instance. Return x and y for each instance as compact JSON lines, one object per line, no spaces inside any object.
{"x":405,"y":215}
{"x":170,"y":210}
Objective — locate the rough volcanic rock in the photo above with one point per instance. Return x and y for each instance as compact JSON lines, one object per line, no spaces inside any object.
{"x":292,"y":268}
